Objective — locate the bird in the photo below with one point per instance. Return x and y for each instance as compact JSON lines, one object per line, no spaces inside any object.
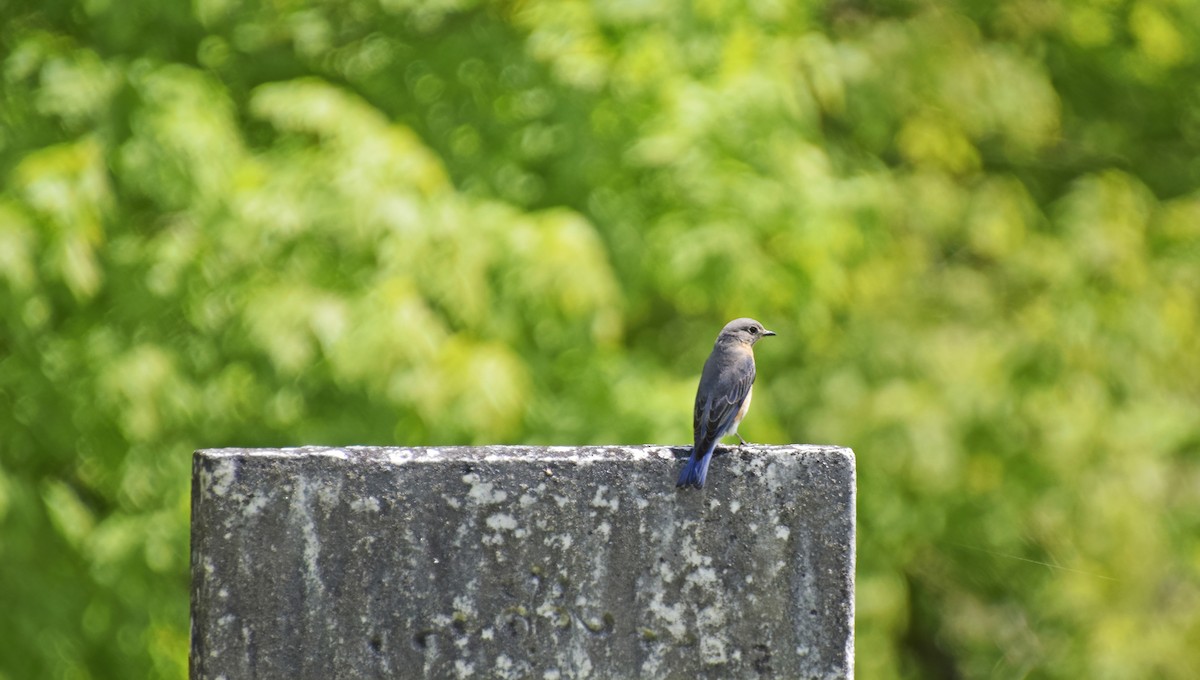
{"x":723,"y":396}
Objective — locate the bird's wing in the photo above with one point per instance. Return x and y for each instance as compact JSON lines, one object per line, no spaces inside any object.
{"x":723,"y":387}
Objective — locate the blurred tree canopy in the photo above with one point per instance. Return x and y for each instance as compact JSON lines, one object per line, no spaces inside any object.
{"x":975,"y":226}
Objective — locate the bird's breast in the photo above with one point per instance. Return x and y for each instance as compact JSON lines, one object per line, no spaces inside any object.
{"x":745,"y":405}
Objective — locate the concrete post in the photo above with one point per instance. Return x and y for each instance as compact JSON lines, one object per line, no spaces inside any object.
{"x":521,"y":562}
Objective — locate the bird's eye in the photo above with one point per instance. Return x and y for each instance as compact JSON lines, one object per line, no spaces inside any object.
{"x":753,"y":330}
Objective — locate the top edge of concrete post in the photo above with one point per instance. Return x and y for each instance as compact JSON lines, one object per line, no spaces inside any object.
{"x":522,"y":561}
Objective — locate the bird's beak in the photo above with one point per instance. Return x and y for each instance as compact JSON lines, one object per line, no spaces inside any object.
{"x":767,"y":332}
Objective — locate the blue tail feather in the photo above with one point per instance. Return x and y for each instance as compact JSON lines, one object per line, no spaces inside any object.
{"x":695,"y":470}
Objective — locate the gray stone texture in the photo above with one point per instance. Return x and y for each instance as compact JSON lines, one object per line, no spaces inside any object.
{"x":522,"y":562}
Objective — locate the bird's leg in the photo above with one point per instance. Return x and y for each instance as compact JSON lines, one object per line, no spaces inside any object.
{"x":743,"y":441}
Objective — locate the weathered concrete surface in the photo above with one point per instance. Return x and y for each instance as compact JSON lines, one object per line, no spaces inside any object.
{"x":516,"y":562}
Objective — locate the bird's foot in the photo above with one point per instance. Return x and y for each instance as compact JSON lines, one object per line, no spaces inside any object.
{"x":743,"y":441}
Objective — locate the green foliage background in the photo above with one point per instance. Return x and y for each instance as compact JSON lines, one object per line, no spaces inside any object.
{"x":975,"y":226}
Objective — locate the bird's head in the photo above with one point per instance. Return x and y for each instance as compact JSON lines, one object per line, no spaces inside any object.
{"x":747,"y":331}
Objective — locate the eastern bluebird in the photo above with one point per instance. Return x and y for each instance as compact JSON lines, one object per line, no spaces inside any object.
{"x":723,"y":396}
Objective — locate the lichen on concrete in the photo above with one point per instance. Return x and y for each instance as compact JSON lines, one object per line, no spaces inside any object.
{"x":481,"y":562}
